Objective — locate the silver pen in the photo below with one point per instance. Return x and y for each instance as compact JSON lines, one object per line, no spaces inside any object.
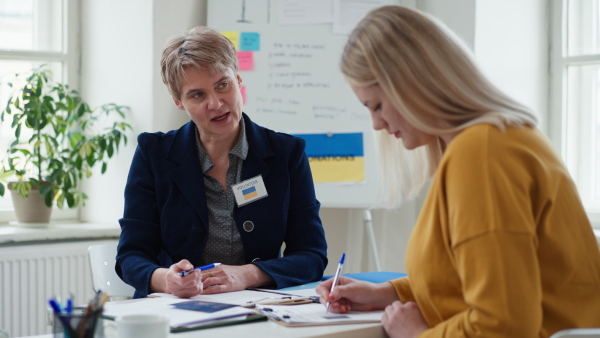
{"x":336,"y":278}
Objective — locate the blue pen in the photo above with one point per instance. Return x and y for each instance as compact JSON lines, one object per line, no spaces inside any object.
{"x":336,"y":277}
{"x":69,"y":332}
{"x":55,"y":306}
{"x":69,"y":306}
{"x":201,"y":268}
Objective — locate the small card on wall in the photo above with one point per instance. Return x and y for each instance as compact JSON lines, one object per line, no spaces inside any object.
{"x":234,"y":37}
{"x":249,"y":41}
{"x":245,"y":60}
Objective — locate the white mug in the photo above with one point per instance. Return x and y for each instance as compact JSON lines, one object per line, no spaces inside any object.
{"x":147,"y":326}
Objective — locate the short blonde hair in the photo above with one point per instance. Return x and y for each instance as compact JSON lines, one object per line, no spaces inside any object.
{"x":200,"y":47}
{"x":432,"y":81}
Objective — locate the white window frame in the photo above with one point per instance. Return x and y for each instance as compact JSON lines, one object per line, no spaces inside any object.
{"x":558,"y":68}
{"x":69,"y":56}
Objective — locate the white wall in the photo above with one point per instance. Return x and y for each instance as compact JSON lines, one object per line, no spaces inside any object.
{"x":512,"y":46}
{"x":121,"y":44}
{"x":122,"y":41}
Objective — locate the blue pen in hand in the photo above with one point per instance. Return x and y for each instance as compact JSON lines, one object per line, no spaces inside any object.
{"x":336,"y":278}
{"x":201,"y":268}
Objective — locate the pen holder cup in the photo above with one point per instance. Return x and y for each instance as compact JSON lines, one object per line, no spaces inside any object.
{"x":78,"y":325}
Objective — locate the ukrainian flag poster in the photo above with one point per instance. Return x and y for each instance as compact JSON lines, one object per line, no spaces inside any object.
{"x":335,"y":158}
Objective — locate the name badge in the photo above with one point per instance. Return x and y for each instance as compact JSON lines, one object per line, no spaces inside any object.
{"x":249,"y":190}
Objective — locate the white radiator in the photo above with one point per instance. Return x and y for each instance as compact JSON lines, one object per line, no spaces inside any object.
{"x":32,"y":274}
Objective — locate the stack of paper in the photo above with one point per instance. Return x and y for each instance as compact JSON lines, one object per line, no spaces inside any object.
{"x":164,"y":306}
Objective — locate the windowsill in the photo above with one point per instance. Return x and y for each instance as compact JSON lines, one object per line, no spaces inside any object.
{"x":57,"y":231}
{"x":59,"y":215}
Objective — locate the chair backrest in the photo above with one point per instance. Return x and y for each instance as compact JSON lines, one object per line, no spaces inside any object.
{"x":104,"y":277}
{"x":577,"y":333}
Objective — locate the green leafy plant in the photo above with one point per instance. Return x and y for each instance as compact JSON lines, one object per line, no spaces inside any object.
{"x":57,"y":138}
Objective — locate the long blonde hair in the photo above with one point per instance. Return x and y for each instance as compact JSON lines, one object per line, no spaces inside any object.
{"x":432,"y":81}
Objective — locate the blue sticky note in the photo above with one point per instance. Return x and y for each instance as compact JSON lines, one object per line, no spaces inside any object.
{"x":249,"y":41}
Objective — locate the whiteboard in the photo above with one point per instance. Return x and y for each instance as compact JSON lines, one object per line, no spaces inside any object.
{"x":296,"y":87}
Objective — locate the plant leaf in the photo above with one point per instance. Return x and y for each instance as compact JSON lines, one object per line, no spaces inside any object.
{"x":48,"y":198}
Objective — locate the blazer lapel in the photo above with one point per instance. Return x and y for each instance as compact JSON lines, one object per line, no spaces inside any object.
{"x":259,"y":150}
{"x":187,"y":174}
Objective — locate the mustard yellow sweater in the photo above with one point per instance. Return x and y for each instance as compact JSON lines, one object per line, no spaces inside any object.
{"x":502,"y":247}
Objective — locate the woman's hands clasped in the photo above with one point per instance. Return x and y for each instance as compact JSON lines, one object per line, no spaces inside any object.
{"x":223,"y":278}
{"x":227,"y":278}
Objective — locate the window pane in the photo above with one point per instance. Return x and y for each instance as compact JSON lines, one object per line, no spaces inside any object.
{"x":31,"y":25}
{"x":582,"y":130}
{"x":583,"y":29}
{"x":8,"y":68}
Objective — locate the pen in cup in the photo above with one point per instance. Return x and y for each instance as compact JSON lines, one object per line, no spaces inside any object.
{"x":336,"y":278}
{"x":201,"y":268}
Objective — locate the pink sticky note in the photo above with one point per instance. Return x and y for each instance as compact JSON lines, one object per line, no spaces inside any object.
{"x":245,"y":60}
{"x":243,"y":90}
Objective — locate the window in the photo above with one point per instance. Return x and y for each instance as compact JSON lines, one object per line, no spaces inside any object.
{"x":575,"y":119}
{"x":32,"y":33}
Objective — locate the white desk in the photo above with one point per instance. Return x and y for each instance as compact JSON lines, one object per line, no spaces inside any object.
{"x":270,"y":329}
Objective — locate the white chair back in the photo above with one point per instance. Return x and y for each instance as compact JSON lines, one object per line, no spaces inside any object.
{"x":577,"y":333}
{"x":104,"y":277}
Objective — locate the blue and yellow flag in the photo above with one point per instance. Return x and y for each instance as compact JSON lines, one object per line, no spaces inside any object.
{"x":335,"y":157}
{"x":250,"y":192}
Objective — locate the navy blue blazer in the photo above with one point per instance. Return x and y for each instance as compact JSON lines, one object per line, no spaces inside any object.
{"x":166,"y":215}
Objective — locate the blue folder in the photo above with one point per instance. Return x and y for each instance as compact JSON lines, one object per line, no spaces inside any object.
{"x":375,"y":277}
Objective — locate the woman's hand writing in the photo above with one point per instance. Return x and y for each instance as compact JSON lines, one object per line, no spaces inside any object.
{"x":351,"y":294}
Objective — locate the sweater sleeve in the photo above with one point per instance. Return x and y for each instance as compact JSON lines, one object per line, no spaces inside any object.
{"x":402,"y":287}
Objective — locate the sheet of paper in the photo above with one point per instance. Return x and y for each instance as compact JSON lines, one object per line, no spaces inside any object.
{"x":300,"y":292}
{"x":305,"y":12}
{"x":347,"y":13}
{"x":163,"y":306}
{"x":316,"y":314}
{"x":237,"y":297}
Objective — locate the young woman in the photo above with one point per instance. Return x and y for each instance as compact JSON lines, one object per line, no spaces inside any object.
{"x":502,"y":247}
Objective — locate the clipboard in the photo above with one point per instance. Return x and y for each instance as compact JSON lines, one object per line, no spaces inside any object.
{"x":314,"y":315}
{"x":253,"y":317}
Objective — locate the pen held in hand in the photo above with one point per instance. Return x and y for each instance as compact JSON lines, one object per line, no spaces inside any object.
{"x":201,"y":268}
{"x":336,"y":278}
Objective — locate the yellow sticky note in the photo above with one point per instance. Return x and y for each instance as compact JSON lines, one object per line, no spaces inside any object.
{"x":234,"y":37}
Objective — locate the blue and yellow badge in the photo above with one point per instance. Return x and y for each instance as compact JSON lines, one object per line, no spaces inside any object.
{"x":335,"y":158}
{"x":249,"y":190}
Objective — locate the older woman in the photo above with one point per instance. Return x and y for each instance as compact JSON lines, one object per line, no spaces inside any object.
{"x":219,"y":189}
{"x":502,"y":247}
